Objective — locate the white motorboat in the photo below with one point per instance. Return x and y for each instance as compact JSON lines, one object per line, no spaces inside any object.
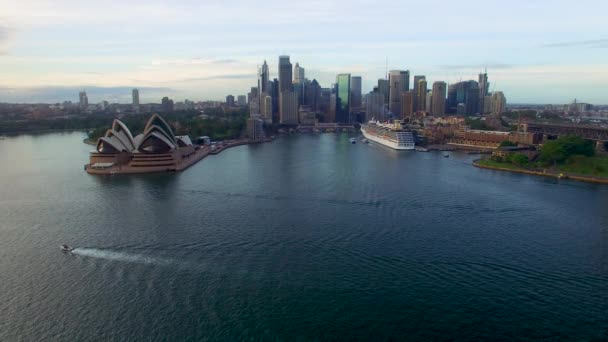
{"x":66,"y":248}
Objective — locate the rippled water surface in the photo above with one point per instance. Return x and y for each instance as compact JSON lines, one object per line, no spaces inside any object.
{"x":305,"y":238}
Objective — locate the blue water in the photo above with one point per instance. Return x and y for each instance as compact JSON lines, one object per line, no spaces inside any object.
{"x":305,"y":238}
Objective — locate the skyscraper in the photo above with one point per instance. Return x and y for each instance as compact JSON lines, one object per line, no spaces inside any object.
{"x":263,"y":79}
{"x":399,"y":82}
{"x":499,"y":102}
{"x":274,"y":92}
{"x":266,"y":108}
{"x":484,"y":87}
{"x":83,"y":100}
{"x":289,"y":108}
{"x":230,"y":101}
{"x":439,"y":93}
{"x":383,"y":89}
{"x":313,"y":96}
{"x":355,"y":88}
{"x":254,"y":101}
{"x":343,"y":98}
{"x":298,"y":74}
{"x":285,"y":73}
{"x":135,"y":99}
{"x":421,"y":94}
{"x":167,"y":104}
{"x":465,"y":93}
{"x":407,"y":104}
{"x":417,"y":79}
{"x":241,"y":100}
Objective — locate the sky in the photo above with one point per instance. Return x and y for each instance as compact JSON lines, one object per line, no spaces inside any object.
{"x":535,"y":51}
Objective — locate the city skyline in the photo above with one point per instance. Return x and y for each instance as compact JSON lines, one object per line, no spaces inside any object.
{"x":51,"y":50}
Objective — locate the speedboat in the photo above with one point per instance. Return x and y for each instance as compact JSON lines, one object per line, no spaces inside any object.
{"x":365,"y":141}
{"x":446,"y":155}
{"x":66,"y":248}
{"x":353,"y":140}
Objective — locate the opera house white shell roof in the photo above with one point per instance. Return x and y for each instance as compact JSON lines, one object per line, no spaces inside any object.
{"x":157,"y":137}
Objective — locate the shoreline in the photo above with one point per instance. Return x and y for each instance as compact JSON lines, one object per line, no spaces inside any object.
{"x":183,"y":164}
{"x":561,"y":175}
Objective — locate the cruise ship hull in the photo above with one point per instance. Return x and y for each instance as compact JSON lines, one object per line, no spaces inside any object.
{"x":386,"y":142}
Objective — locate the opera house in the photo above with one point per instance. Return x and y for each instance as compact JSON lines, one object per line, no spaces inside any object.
{"x":157,"y":149}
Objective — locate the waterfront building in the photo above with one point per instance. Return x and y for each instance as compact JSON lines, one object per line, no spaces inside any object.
{"x":407,"y":104}
{"x":83,"y":100}
{"x":399,"y":82}
{"x":289,"y":108}
{"x":499,"y":102}
{"x":241,"y":100}
{"x":343,"y":98}
{"x":255,"y":128}
{"x":307,"y":116}
{"x":417,"y":106}
{"x":420,"y":95}
{"x":156,"y":149}
{"x":439,"y":94}
{"x":355,"y":88}
{"x":135,"y":99}
{"x":230,"y":101}
{"x":374,"y":106}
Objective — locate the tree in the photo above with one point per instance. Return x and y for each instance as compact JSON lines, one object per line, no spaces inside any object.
{"x":557,"y":151}
{"x":519,"y":159}
{"x":507,"y":143}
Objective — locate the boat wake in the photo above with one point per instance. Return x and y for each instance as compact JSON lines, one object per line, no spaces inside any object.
{"x":121,"y":256}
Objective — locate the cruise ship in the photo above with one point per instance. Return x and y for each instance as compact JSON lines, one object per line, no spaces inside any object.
{"x":392,"y":135}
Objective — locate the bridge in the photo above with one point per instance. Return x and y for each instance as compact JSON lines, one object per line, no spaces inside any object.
{"x":588,"y":132}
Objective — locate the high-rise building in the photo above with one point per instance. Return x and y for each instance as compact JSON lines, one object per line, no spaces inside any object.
{"x":465,"y":93}
{"x":230,"y":101}
{"x":439,"y":93}
{"x":285,"y":74}
{"x":274,"y":92}
{"x":429,"y":102}
{"x":263,"y":79}
{"x":241,"y":100}
{"x":407,"y":104}
{"x":484,"y":87}
{"x":499,"y":102}
{"x":83,"y":100}
{"x":399,"y":82}
{"x":167,"y":104}
{"x":417,"y":79}
{"x":374,"y":106}
{"x":289,"y":107}
{"x":255,"y":128}
{"x":254,"y":103}
{"x":421,"y":95}
{"x":343,"y":98}
{"x":331,"y":113}
{"x":298,"y":74}
{"x":487,"y":104}
{"x":135,"y":99}
{"x":383,"y":89}
{"x":355,"y":88}
{"x":324,"y":103}
{"x":313,"y":96}
{"x":266,"y":109}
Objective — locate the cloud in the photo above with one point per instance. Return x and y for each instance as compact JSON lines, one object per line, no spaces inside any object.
{"x":477,"y":66}
{"x":220,"y":77}
{"x":5,"y":36}
{"x":597,"y":43}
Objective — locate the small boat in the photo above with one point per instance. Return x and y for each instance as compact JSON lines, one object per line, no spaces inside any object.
{"x":66,"y":248}
{"x":446,"y":155}
{"x":365,"y":141}
{"x":353,"y":140}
